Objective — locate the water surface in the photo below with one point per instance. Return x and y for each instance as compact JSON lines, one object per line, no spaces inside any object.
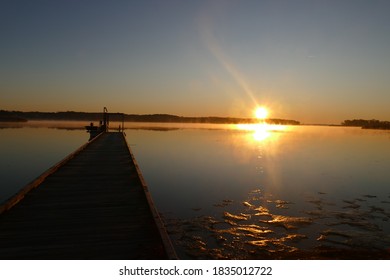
{"x":242,"y":192}
{"x":27,"y":150}
{"x":279,"y":192}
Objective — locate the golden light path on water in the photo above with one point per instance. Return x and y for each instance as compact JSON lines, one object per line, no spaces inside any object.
{"x":261,"y":131}
{"x":265,"y":225}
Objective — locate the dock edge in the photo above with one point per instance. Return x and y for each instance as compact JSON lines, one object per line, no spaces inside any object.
{"x":168,"y":246}
{"x":16,"y":198}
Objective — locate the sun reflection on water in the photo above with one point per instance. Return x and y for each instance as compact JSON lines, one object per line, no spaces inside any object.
{"x":261,"y":131}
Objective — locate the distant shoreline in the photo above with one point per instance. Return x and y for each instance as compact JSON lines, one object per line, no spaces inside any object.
{"x":163,"y":118}
{"x":21,"y":117}
{"x":367,"y":124}
{"x":12,"y":119}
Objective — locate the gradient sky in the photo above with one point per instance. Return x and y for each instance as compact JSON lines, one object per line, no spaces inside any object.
{"x":309,"y":60}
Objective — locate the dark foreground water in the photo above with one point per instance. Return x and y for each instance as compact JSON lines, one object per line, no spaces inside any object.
{"x":242,"y":192}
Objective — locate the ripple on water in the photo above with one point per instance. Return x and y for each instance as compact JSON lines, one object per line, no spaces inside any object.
{"x":252,"y":230}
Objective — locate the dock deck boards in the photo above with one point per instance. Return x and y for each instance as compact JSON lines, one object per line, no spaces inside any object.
{"x":94,"y":206}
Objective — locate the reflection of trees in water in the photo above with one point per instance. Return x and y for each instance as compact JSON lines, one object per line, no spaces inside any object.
{"x":352,"y":230}
{"x":10,"y":126}
{"x":154,"y":128}
{"x":45,"y":124}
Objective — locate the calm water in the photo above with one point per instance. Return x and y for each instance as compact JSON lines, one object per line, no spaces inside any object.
{"x":241,"y":192}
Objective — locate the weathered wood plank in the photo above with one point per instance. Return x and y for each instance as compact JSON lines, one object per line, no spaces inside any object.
{"x":94,"y":205}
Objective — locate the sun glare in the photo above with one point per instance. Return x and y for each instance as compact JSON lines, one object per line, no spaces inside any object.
{"x":261,"y":113}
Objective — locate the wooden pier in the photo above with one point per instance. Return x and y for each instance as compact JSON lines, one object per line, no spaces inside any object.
{"x":92,"y":205}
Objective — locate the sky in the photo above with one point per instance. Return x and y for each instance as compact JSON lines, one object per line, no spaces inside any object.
{"x":309,"y":60}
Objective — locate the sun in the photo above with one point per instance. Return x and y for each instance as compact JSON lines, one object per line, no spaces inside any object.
{"x":261,"y":113}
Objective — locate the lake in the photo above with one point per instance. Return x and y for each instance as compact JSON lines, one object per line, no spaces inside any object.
{"x":240,"y":191}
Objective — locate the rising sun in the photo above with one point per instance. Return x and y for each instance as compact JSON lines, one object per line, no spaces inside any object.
{"x":261,"y":113}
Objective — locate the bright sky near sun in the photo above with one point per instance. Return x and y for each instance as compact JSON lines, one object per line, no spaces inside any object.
{"x":309,"y":60}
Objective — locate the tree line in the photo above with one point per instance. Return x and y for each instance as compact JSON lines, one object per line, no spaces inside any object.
{"x":86,"y":116}
{"x":368,"y":124}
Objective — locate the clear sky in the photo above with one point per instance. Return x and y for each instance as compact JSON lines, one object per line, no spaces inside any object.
{"x":310,"y":60}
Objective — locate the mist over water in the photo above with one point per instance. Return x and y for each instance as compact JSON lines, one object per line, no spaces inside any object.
{"x":241,"y":192}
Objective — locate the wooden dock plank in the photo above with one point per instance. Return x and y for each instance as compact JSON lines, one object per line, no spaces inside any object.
{"x":95,"y":206}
